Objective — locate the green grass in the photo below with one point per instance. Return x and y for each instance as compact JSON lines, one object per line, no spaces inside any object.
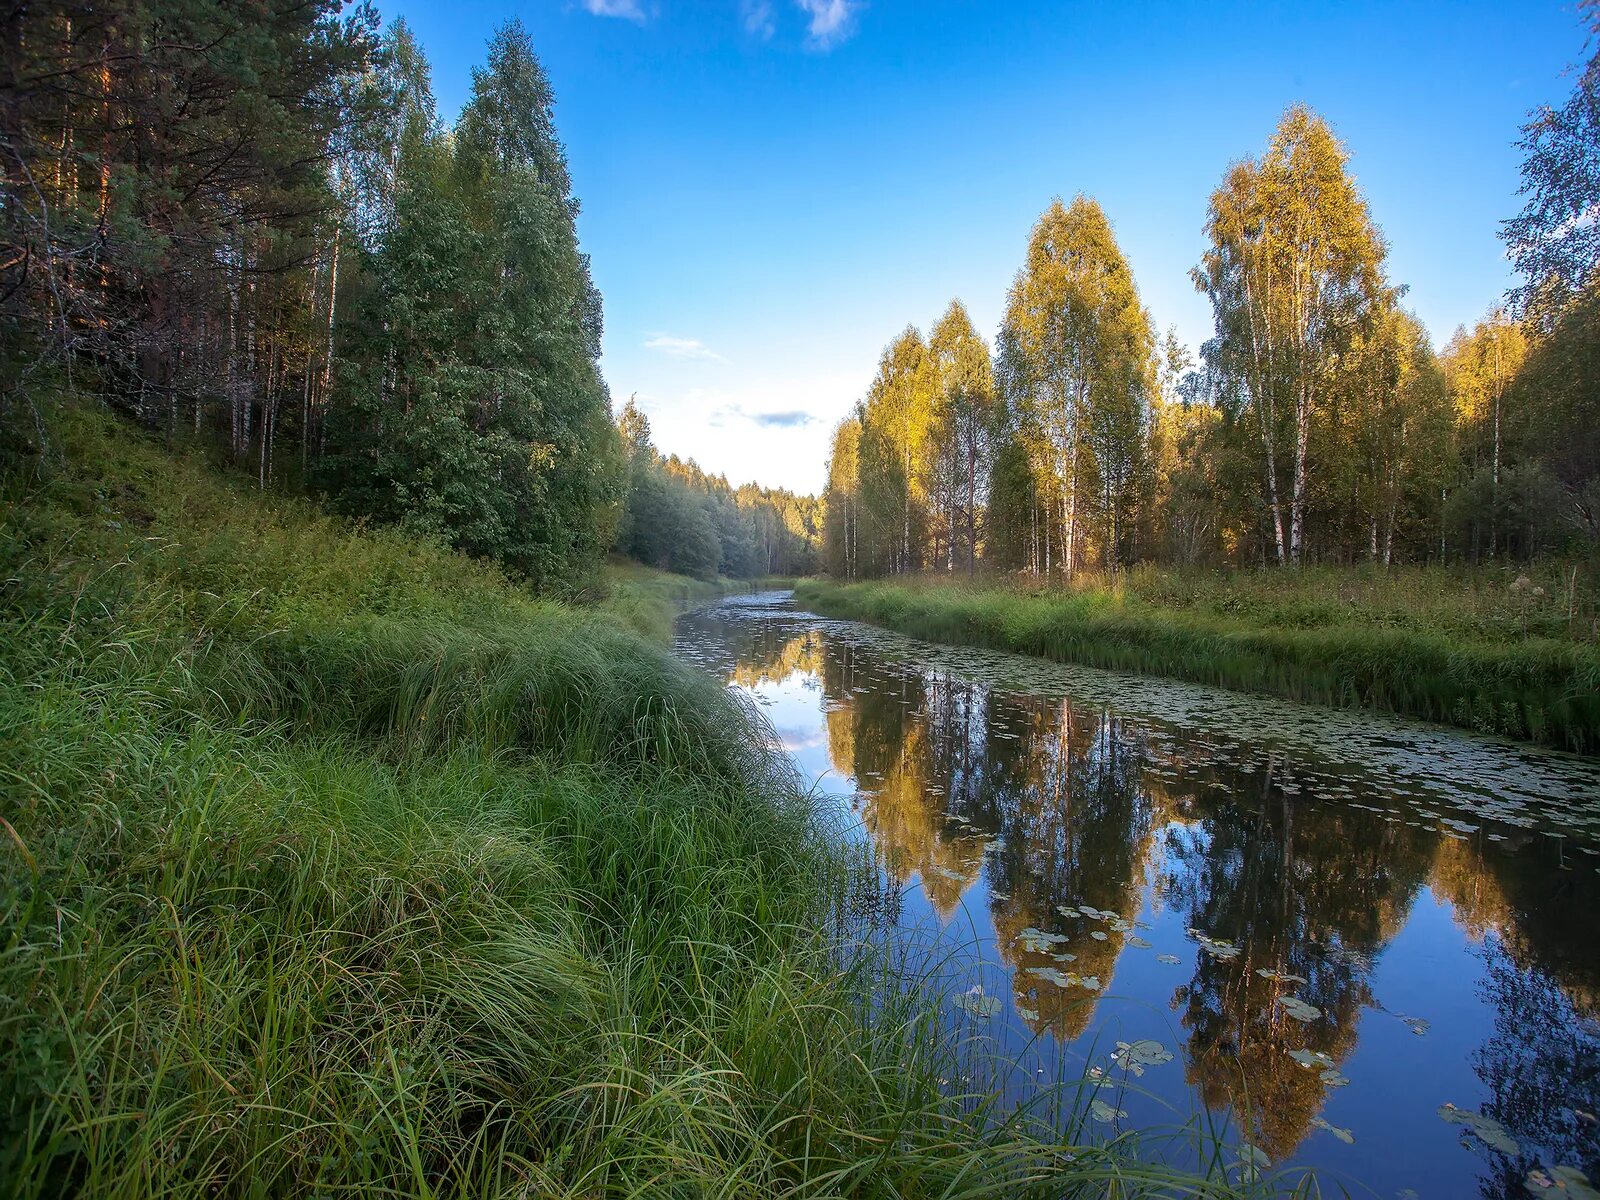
{"x":1476,"y":649}
{"x":648,"y":600}
{"x":333,"y":864}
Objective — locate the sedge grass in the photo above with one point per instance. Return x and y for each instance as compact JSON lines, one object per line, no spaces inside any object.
{"x":334,"y":864}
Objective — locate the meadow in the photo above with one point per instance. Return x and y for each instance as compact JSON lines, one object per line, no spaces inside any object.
{"x":1509,"y":650}
{"x":336,"y":863}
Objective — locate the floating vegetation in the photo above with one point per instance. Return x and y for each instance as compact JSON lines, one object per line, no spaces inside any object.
{"x":1171,"y":960}
{"x":1098,"y":935}
{"x":1216,"y":947}
{"x":1568,"y":1180}
{"x":1344,"y":1135}
{"x":1418,"y":1025}
{"x":1105,"y":1112}
{"x":974,"y":1003}
{"x":1134,"y":1057}
{"x":1138,"y":943}
{"x":1039,"y":941}
{"x":1311,"y":1058}
{"x":1279,"y":976}
{"x":1488,"y":1131}
{"x":1298,"y":1009}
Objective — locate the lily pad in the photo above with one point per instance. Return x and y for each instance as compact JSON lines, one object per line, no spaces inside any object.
{"x":1297,"y":1009}
{"x":976,"y":1004}
{"x":1312,"y":1058}
{"x":1169,"y":959}
{"x":1574,"y":1182}
{"x":1344,"y":1135}
{"x":1489,"y":1131}
{"x":1136,"y":1056}
{"x":1279,"y":976}
{"x":1104,"y":1112}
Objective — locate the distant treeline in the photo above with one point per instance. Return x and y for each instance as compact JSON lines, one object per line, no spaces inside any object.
{"x":1318,"y":424}
{"x":248,"y":224}
{"x":678,"y":518}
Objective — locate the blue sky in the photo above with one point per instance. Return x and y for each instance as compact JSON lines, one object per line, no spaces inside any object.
{"x":772,"y":190}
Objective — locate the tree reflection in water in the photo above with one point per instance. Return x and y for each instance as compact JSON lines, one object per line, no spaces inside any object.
{"x":1300,"y":880}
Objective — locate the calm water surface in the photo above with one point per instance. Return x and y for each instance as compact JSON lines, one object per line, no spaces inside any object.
{"x":1368,"y":946}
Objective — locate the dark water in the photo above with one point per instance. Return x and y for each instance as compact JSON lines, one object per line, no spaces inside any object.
{"x":1335,"y":925}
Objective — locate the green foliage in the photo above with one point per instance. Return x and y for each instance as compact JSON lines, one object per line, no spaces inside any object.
{"x":1482,"y":651}
{"x":1554,"y":241}
{"x":335,"y":863}
{"x":472,"y":407}
{"x":678,"y":518}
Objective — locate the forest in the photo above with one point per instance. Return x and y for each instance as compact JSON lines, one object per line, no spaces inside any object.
{"x":250,"y":227}
{"x":1316,"y":426}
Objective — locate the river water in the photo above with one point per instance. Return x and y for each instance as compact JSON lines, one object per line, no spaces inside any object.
{"x":1358,"y":944}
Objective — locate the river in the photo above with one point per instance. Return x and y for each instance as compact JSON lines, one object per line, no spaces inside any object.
{"x":1358,"y":944}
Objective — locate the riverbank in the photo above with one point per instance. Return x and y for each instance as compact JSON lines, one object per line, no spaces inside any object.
{"x":648,"y":600}
{"x":1486,"y":653}
{"x":334,"y":862}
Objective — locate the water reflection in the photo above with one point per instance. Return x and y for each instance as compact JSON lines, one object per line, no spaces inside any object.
{"x":1343,"y":932}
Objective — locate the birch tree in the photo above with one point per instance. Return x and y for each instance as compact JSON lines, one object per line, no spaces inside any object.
{"x":1295,"y":266}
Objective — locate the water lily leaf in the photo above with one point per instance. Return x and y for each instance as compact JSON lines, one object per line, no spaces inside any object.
{"x":1279,"y":976}
{"x":1419,"y":1025}
{"x":1104,"y":1112}
{"x":1169,"y":959}
{"x":1136,"y":1056}
{"x":1574,"y":1182}
{"x":1098,"y":935}
{"x":1298,"y":1009}
{"x":1489,"y":1131}
{"x":975,"y":1003}
{"x":1344,"y":1135}
{"x":1138,"y":943}
{"x":1311,"y":1058}
{"x":1333,"y":1079}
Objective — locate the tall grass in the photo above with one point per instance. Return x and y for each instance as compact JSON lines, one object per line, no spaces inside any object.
{"x":333,"y":864}
{"x":1458,"y":648}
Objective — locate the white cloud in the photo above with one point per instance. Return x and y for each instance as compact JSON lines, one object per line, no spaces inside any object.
{"x":830,"y":21}
{"x":679,"y":347}
{"x":628,"y":10}
{"x":757,"y":17}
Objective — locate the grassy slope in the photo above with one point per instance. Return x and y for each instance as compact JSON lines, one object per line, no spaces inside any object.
{"x":332,"y":863}
{"x":1461,"y":649}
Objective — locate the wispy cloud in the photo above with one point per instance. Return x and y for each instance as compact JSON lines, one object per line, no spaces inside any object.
{"x":757,"y":17}
{"x":680,"y":347}
{"x":628,"y":10}
{"x":829,"y":21}
{"x":789,"y":418}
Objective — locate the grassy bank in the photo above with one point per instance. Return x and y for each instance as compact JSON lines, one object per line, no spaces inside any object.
{"x":334,"y":864}
{"x":648,"y":600}
{"x":1476,"y":649}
